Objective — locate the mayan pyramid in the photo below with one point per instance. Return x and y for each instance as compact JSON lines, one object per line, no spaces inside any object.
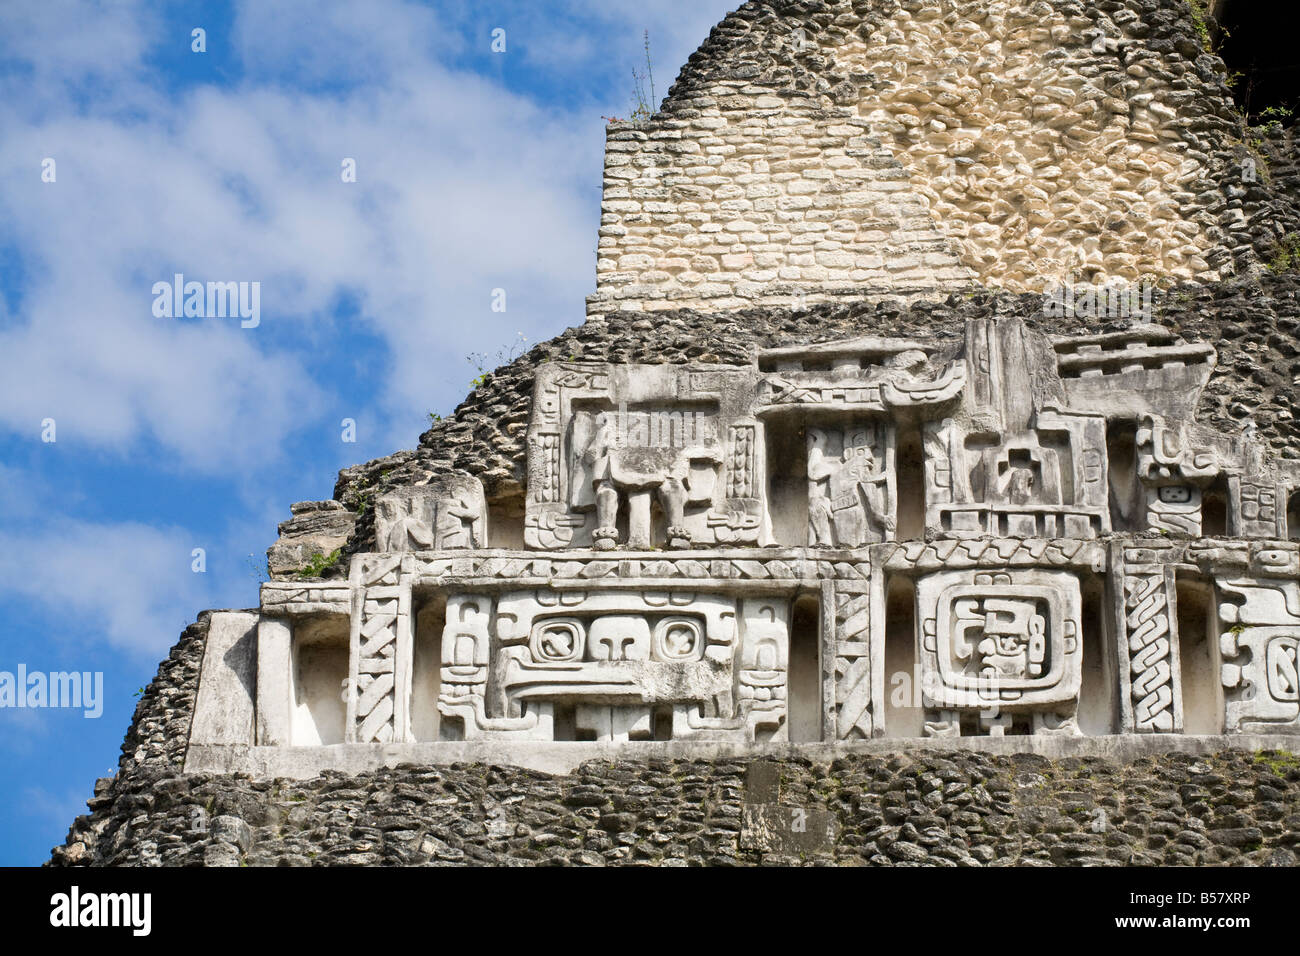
{"x":931,"y":425}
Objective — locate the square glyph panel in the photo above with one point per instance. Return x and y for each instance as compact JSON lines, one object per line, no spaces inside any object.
{"x":1010,"y":638}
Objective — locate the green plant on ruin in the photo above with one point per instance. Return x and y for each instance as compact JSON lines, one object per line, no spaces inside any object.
{"x":365,"y":491}
{"x":1201,"y":23}
{"x":484,"y":362}
{"x":320,"y":563}
{"x":643,"y":88}
{"x":1285,"y":254}
{"x":1272,"y":121}
{"x":1278,"y":762}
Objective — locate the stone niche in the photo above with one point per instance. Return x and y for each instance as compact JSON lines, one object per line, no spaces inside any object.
{"x":448,"y":513}
{"x":999,"y":649}
{"x":844,"y":419}
{"x":302,"y":663}
{"x":1003,"y":534}
{"x":643,"y":456}
{"x":1212,"y":629}
{"x":617,"y":665}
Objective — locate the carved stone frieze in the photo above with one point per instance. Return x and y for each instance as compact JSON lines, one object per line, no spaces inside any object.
{"x":1001,"y":647}
{"x":448,"y":513}
{"x":739,"y":553}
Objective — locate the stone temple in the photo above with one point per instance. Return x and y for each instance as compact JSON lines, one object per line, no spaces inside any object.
{"x":877,"y":467}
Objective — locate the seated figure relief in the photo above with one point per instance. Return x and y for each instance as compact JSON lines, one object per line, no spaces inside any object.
{"x":447,"y":514}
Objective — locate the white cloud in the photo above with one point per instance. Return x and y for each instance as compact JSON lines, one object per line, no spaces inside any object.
{"x":60,"y":52}
{"x":464,"y":187}
{"x":338,"y":42}
{"x":128,"y":583}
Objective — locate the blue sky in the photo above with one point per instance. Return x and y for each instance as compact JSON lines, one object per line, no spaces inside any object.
{"x":476,"y":171}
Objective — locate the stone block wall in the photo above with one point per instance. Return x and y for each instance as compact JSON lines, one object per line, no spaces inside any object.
{"x":814,"y":151}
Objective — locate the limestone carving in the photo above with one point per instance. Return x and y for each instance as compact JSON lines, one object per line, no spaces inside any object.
{"x":615,"y":665}
{"x":1015,"y":461}
{"x":448,"y":513}
{"x":867,"y":374}
{"x":1260,"y":646}
{"x":1000,"y":648}
{"x":1173,"y":475}
{"x":850,"y":493}
{"x":854,"y":716}
{"x":642,"y":456}
{"x":1152,"y":662}
{"x":715,"y":553}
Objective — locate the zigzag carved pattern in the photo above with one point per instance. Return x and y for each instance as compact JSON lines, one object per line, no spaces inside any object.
{"x":376,"y":672}
{"x":1147,"y":605}
{"x":853,"y":666}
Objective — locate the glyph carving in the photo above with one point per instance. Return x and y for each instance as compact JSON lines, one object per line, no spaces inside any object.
{"x":1000,"y":648}
{"x":1257,"y":502}
{"x":569,"y":664}
{"x":1260,"y":646}
{"x":1173,"y":475}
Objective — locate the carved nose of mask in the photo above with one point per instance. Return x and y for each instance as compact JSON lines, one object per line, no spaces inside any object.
{"x":618,"y":637}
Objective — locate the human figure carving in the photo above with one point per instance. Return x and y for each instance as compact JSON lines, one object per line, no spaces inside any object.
{"x":1018,"y":487}
{"x":636,"y":473}
{"x":847,"y":497}
{"x":407,"y":530}
{"x":457,"y":524}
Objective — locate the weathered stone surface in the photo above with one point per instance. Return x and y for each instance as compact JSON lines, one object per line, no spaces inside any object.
{"x":967,"y":808}
{"x":224,"y":712}
{"x":858,"y":148}
{"x":829,"y":572}
{"x":316,"y":530}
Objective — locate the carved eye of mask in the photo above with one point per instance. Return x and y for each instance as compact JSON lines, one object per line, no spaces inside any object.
{"x":1274,"y":558}
{"x":1175,"y":495}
